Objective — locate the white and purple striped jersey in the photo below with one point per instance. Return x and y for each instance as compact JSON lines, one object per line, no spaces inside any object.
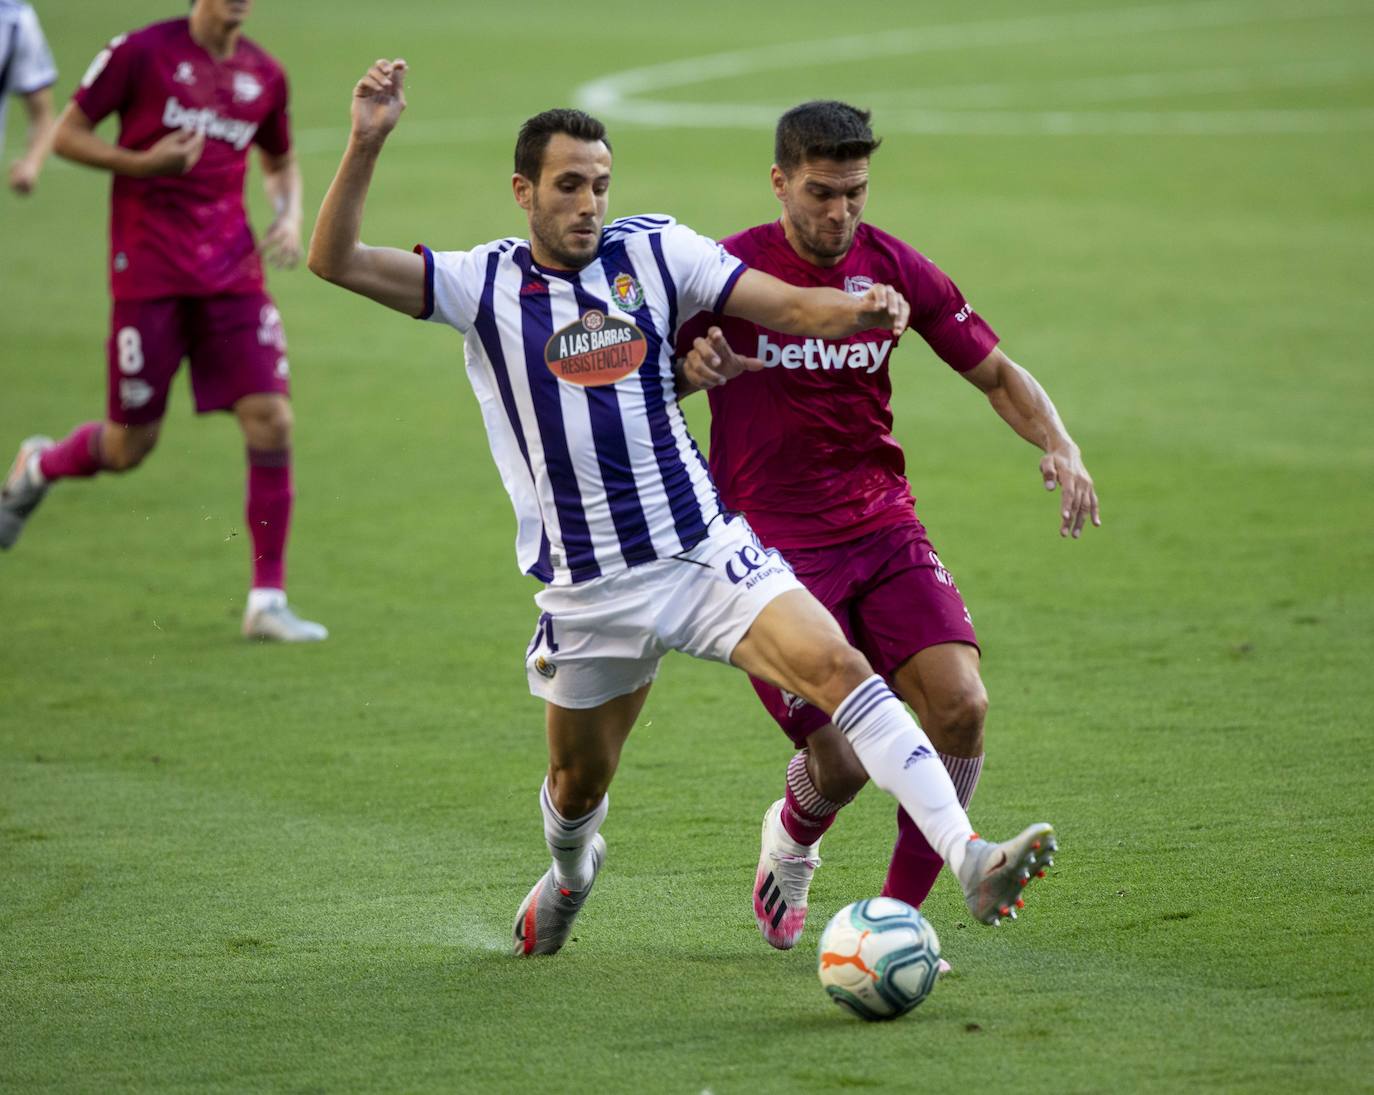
{"x":573,"y":372}
{"x":26,"y":63}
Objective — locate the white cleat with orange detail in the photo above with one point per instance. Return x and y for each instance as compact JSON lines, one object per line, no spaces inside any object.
{"x":993,"y":875}
{"x":22,"y":490}
{"x":545,"y":918}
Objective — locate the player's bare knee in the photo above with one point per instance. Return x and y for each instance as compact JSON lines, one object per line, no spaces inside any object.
{"x":576,"y":789}
{"x":958,"y":719}
{"x":267,"y":423}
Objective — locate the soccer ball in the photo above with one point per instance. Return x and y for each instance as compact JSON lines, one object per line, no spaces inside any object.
{"x":878,"y":958}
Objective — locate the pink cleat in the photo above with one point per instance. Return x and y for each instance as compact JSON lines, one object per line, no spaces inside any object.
{"x":782,"y":882}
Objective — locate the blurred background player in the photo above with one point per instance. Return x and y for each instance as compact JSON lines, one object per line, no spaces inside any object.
{"x":568,"y":346}
{"x":191,"y":95}
{"x":801,"y":443}
{"x":26,"y":70}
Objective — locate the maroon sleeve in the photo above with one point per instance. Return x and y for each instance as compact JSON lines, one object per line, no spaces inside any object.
{"x":274,"y":134}
{"x":108,"y":84}
{"x":941,"y":315}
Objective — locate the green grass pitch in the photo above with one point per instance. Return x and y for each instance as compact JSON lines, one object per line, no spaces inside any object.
{"x":226,"y":868}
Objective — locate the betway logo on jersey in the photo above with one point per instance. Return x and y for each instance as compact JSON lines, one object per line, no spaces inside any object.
{"x":233,"y":130}
{"x":816,"y":353}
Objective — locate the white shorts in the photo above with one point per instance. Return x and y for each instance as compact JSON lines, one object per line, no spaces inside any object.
{"x":603,"y":638}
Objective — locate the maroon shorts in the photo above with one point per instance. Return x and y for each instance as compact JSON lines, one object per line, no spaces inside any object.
{"x":236,"y":345}
{"x":892,"y":596}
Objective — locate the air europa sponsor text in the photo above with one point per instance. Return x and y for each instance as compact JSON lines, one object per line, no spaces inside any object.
{"x":816,"y":353}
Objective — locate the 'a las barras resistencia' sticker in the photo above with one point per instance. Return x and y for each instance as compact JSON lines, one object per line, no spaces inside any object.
{"x":595,"y":349}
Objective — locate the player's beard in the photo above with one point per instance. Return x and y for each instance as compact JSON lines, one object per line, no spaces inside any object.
{"x":826,"y":242}
{"x":554,"y":239}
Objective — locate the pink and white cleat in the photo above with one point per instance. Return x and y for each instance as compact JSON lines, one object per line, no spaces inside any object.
{"x":782,"y":882}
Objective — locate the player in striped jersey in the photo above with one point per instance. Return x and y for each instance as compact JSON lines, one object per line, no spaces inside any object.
{"x":568,"y":346}
{"x":26,"y":70}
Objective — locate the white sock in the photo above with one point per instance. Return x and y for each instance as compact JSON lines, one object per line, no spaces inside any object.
{"x":899,"y":758}
{"x":263,"y":598}
{"x":569,"y":841}
{"x":35,"y":470}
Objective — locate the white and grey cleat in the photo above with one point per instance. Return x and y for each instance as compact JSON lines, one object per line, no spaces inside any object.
{"x":993,"y":875}
{"x":275,"y":622}
{"x":545,"y":918}
{"x":23,"y":489}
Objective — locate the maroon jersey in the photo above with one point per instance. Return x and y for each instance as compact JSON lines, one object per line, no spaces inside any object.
{"x":805,"y":448}
{"x":185,"y":235}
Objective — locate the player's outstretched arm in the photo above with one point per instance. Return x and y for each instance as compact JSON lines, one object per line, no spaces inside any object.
{"x":1026,"y":407}
{"x":824,"y":313}
{"x":76,"y":140}
{"x":387,"y":275}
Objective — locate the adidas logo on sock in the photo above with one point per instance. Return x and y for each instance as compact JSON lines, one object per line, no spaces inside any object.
{"x":919,"y":753}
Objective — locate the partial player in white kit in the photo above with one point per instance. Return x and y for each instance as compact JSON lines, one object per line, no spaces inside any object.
{"x":26,"y":70}
{"x":569,"y":350}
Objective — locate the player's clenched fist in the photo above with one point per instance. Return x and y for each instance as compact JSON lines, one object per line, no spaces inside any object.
{"x":378,"y":99}
{"x":885,"y":307}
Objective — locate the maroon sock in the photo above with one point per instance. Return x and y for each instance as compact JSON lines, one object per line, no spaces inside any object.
{"x":268,"y":512}
{"x":805,"y":814}
{"x":76,"y":456}
{"x":915,"y":864}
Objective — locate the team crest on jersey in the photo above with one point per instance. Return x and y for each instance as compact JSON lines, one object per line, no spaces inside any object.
{"x":628,"y":293}
{"x":595,"y":349}
{"x":246,"y":87}
{"x":185,"y":73}
{"x":544,"y":667}
{"x":858,"y":285}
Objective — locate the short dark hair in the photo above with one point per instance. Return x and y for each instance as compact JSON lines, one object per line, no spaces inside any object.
{"x":536,"y":132}
{"x":823,"y":129}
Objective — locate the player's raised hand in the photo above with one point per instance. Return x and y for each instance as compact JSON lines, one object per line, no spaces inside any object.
{"x":1079,"y":499}
{"x":711,"y":362}
{"x":378,"y":99}
{"x":885,"y":307}
{"x":175,"y":154}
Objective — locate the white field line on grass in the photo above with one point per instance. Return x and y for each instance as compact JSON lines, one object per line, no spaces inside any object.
{"x":621,"y":96}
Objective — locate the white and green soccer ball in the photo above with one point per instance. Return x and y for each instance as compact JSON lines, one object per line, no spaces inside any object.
{"x":878,"y":958}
